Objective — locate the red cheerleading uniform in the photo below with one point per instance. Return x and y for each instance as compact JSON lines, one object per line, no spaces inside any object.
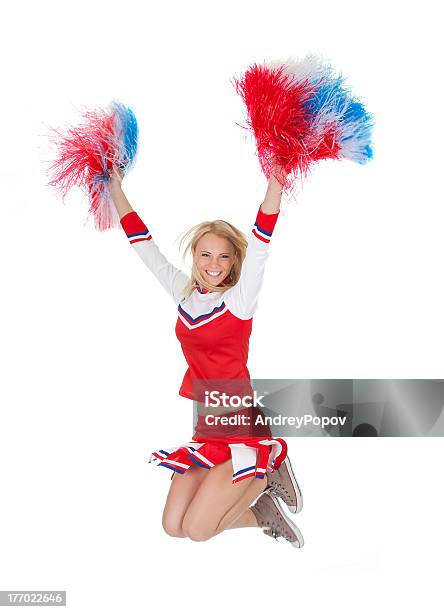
{"x":214,"y":329}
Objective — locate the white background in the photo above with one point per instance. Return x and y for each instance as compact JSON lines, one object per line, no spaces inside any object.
{"x":91,"y":367}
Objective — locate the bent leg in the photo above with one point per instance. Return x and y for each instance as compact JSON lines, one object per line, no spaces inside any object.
{"x":218,"y":503}
{"x":182,"y":490}
{"x":247,"y":519}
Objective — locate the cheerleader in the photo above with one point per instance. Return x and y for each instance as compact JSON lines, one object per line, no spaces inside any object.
{"x":300,"y":112}
{"x":230,"y":479}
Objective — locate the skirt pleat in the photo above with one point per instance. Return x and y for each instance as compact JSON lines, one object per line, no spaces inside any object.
{"x":250,"y":457}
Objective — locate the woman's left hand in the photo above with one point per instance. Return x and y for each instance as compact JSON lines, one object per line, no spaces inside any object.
{"x":278,"y":171}
{"x":116,"y":178}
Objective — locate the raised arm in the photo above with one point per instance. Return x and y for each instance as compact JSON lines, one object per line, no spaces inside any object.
{"x":171,"y":278}
{"x":272,"y":202}
{"x":242,"y":299}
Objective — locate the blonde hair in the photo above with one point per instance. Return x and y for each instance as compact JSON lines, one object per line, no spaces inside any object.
{"x":224,"y":230}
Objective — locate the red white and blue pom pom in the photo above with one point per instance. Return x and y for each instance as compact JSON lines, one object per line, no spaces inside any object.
{"x":300,"y":113}
{"x":86,"y":154}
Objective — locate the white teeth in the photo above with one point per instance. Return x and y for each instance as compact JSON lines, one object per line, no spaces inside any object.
{"x":212,"y":273}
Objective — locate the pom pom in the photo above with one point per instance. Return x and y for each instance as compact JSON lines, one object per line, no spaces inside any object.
{"x":300,"y":113}
{"x":86,"y":154}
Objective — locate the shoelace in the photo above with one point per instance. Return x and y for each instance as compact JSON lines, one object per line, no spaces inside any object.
{"x":275,"y":532}
{"x":278,"y":488}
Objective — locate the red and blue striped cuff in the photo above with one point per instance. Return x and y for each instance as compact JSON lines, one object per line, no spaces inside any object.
{"x":264,"y":225}
{"x":134,"y":227}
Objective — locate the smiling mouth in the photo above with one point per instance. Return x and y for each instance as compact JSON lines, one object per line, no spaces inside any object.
{"x":213,"y":274}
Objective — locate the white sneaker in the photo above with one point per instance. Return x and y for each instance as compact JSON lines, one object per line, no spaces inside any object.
{"x":271,"y":517}
{"x":283,"y":484}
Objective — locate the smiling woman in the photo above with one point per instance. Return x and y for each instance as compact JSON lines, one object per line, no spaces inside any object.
{"x":218,"y":250}
{"x":215,"y":308}
{"x":214,"y":257}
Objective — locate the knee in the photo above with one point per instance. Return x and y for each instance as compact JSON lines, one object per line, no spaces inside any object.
{"x":198,"y":531}
{"x":172,"y":527}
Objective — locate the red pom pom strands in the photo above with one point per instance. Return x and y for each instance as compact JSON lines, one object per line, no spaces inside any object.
{"x":276,"y":116}
{"x":86,"y":154}
{"x":300,"y":113}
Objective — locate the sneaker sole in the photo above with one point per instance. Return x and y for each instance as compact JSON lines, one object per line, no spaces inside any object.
{"x":299,"y":542}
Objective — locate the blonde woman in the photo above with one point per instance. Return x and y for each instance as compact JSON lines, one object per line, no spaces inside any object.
{"x":225,"y":482}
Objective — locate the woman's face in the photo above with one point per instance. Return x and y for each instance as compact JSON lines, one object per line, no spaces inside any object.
{"x":214,"y":256}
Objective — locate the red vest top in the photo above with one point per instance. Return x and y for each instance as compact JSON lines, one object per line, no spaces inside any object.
{"x":213,"y":328}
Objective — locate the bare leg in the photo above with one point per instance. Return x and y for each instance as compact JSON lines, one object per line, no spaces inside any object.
{"x":240,"y":515}
{"x":247,"y":519}
{"x":182,"y":490}
{"x":218,"y":503}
